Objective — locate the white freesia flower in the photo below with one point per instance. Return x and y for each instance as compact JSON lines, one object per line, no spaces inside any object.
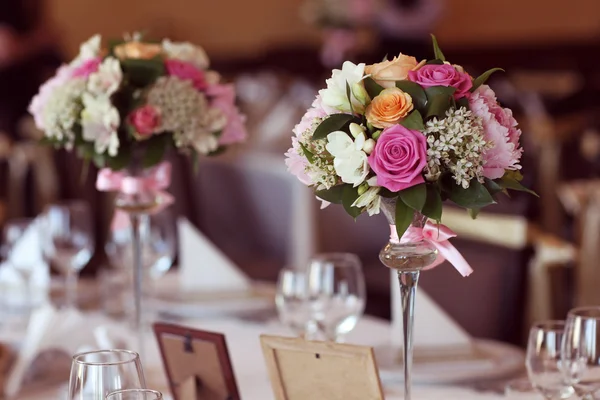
{"x":185,"y":51}
{"x":107,"y":79}
{"x":99,"y":122}
{"x":336,"y":95}
{"x":89,"y":49}
{"x":369,"y":199}
{"x":350,"y":162}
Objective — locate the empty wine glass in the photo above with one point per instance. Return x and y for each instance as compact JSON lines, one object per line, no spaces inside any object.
{"x":22,"y":259}
{"x":95,"y":374}
{"x":521,"y":389}
{"x":543,"y":360}
{"x":336,"y":287}
{"x":292,"y":302}
{"x":581,"y":351}
{"x":68,"y":241}
{"x":135,"y":394}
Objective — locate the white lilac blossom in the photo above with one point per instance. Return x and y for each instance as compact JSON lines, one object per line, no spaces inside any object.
{"x":350,"y":161}
{"x":336,"y":95}
{"x":456,"y":143}
{"x":62,"y":110}
{"x":99,"y":123}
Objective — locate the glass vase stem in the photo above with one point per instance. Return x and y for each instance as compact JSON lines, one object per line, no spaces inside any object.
{"x":137,"y":279}
{"x":408,"y":291}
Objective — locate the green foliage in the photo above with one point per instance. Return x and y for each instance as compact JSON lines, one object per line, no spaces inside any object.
{"x":349,"y":196}
{"x":142,"y":73}
{"x":481,"y":79}
{"x":373,"y":88}
{"x":156,"y":148}
{"x":464,"y":102}
{"x":349,"y":96}
{"x":332,"y":195}
{"x":473,"y":212}
{"x":335,"y":122}
{"x":433,"y":204}
{"x":475,"y":196}
{"x":404,"y":216}
{"x":120,"y":161}
{"x":439,"y":100}
{"x":414,"y":196}
{"x":414,"y":121}
{"x":510,"y":180}
{"x":307,"y":153}
{"x":415,"y":91}
{"x":436,"y":49}
{"x":492,"y":187}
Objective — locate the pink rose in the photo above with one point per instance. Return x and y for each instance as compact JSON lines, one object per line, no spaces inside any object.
{"x":399,"y":158}
{"x":442,"y":75}
{"x":145,"y":120}
{"x":186,"y":71}
{"x":223,"y":98}
{"x":87,"y":68}
{"x":500,"y":129}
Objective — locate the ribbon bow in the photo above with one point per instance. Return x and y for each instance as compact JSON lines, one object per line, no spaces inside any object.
{"x":438,"y":235}
{"x":155,"y":180}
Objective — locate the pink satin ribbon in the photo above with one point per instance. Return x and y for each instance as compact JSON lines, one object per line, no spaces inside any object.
{"x":439,"y":236}
{"x":156,"y":180}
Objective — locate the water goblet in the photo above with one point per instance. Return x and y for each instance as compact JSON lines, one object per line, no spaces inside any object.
{"x":135,"y":394}
{"x":337,"y":293}
{"x":293,"y":306}
{"x":21,"y":259}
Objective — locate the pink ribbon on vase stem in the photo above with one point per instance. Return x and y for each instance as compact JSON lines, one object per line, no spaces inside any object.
{"x":438,"y":235}
{"x":155,"y":180}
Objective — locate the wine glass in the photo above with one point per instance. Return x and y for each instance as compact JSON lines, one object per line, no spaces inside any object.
{"x":68,"y":242}
{"x":581,"y":351}
{"x":336,"y":288}
{"x":135,"y":394}
{"x":292,"y":302}
{"x":520,"y":389}
{"x":22,"y":261}
{"x":543,"y":360}
{"x":95,"y":374}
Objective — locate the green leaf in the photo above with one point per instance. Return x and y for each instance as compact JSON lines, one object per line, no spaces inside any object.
{"x":332,"y":195}
{"x":492,"y":187}
{"x":307,"y":153}
{"x":404,"y":216}
{"x":335,"y":122}
{"x":515,"y":175}
{"x":413,"y":121}
{"x":435,"y":91}
{"x":509,"y":183}
{"x":463,"y":102}
{"x":473,"y":212}
{"x":155,"y":150}
{"x":388,"y":194}
{"x":434,"y":62}
{"x":475,"y":196}
{"x":141,"y":72}
{"x":433,"y":204}
{"x":415,"y":91}
{"x":415,"y":196}
{"x":349,"y":95}
{"x":349,"y":196}
{"x":437,"y":106}
{"x":219,"y":150}
{"x":481,"y":79}
{"x":436,"y":49}
{"x":120,"y":161}
{"x":373,"y":88}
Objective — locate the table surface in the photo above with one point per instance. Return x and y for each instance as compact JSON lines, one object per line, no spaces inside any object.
{"x":246,"y":354}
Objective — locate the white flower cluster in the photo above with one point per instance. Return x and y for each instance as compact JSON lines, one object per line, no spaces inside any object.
{"x":456,"y":143}
{"x":186,"y":113}
{"x":63,"y":109}
{"x":320,"y":169}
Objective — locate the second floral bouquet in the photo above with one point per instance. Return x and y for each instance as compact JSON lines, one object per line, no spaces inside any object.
{"x":419,"y":132}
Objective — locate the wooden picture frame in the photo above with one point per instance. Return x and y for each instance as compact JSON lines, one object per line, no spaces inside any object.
{"x":302,"y":370}
{"x":197,"y":363}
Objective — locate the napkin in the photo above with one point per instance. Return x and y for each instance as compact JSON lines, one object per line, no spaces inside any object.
{"x":66,"y":331}
{"x":203,"y":267}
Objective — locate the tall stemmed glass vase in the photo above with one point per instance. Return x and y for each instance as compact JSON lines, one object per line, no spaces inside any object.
{"x":408,"y":257}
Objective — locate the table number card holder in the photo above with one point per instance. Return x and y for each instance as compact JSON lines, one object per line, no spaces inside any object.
{"x":301,"y":370}
{"x":197,"y":363}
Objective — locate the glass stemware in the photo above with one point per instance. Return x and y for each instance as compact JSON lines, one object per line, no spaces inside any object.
{"x":135,"y":394}
{"x":96,"y":374}
{"x":337,"y":293}
{"x":292,"y":302}
{"x":19,"y":258}
{"x":581,"y":351}
{"x":68,"y":241}
{"x":543,"y":360}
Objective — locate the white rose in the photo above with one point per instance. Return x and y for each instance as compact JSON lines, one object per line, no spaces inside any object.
{"x":336,"y":95}
{"x":99,"y":122}
{"x":350,"y":162}
{"x":185,"y":51}
{"x":107,"y":79}
{"x":369,"y":199}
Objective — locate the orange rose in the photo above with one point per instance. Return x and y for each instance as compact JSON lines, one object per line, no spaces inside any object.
{"x":386,"y":73}
{"x":139,"y":50}
{"x":389,"y":107}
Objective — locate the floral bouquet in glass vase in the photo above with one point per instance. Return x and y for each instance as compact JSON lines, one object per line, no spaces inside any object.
{"x":402,"y":137}
{"x":124,"y":106}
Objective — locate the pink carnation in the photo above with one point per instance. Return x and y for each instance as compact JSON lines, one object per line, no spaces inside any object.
{"x":500,"y":129}
{"x":223,"y":98}
{"x":87,"y":68}
{"x":442,"y":75}
{"x":186,"y":71}
{"x":38,"y":103}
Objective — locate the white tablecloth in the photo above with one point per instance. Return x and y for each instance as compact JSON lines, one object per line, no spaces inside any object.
{"x":251,"y":375}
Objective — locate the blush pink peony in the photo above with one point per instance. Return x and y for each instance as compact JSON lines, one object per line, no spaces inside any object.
{"x":296,"y":164}
{"x":223,"y":98}
{"x":442,"y":75}
{"x":145,"y":120}
{"x":187,"y":71}
{"x":500,"y":129}
{"x":316,"y":111}
{"x":38,"y":103}
{"x":399,"y":158}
